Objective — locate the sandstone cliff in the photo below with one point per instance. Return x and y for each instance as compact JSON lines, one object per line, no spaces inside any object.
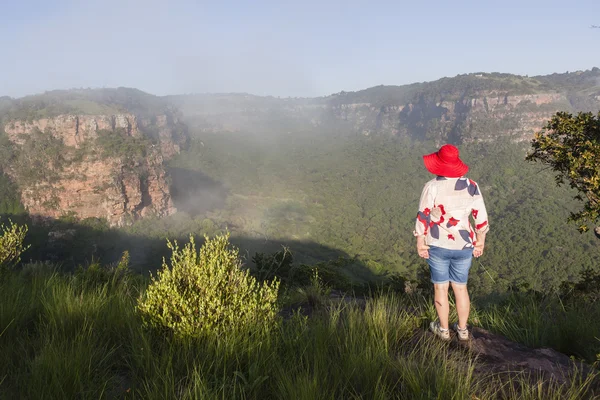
{"x":464,"y":108}
{"x":97,"y":166}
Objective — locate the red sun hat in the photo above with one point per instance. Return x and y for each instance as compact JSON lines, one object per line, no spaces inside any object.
{"x":445,"y":162}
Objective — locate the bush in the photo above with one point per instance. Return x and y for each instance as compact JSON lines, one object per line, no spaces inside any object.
{"x":208,"y":293}
{"x":11,"y":244}
{"x":95,"y":274}
{"x":271,"y":266}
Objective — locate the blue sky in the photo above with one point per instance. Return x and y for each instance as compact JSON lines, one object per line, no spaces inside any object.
{"x":285,"y":48}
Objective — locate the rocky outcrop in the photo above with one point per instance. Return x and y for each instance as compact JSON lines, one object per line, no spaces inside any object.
{"x":73,"y":130}
{"x":92,"y":184}
{"x":483,"y":115}
{"x":499,"y":355}
{"x":167,"y":131}
{"x":486,"y":116}
{"x":461,"y":109}
{"x":103,"y":189}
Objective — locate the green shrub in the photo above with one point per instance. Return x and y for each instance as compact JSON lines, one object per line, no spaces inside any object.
{"x":208,"y":293}
{"x":276,"y":265}
{"x":11,"y":244}
{"x":96,"y":274}
{"x":331,"y":273}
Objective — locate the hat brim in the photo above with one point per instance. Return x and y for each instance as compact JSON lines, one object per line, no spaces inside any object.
{"x":436,"y":166}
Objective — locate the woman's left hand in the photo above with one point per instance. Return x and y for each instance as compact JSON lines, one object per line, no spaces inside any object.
{"x":478,"y":250}
{"x":423,"y":250}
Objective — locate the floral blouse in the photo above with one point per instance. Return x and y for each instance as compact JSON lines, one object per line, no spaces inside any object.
{"x":445,"y":209}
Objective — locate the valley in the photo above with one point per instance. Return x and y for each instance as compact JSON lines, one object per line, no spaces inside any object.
{"x":338,"y":175}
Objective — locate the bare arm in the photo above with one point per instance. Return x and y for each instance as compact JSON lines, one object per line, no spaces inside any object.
{"x":422,"y":247}
{"x":479,"y":244}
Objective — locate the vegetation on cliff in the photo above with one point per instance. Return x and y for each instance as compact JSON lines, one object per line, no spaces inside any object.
{"x":86,"y":102}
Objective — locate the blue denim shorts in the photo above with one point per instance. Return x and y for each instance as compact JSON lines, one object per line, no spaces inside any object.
{"x":449,"y":265}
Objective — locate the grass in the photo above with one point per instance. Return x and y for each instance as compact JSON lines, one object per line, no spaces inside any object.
{"x":571,"y":327}
{"x":78,"y":336}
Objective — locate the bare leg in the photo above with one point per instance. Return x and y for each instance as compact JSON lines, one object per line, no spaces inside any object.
{"x":441,"y":303}
{"x":463,"y":304}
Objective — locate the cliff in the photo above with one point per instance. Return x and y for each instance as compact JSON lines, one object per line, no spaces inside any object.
{"x":94,"y":166}
{"x":464,"y":108}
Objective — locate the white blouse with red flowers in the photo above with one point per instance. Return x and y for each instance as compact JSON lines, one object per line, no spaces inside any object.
{"x":444,"y":213}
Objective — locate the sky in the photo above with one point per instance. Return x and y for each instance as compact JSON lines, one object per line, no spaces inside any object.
{"x":285,"y":48}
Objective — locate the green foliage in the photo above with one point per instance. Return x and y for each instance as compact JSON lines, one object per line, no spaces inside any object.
{"x":119,"y":145}
{"x":271,"y":266}
{"x":10,"y":200}
{"x":571,"y":81}
{"x":586,"y":289}
{"x":12,"y":244}
{"x":39,"y":159}
{"x":85,"y":101}
{"x":451,"y":89}
{"x":6,"y":149}
{"x":571,"y":146}
{"x":208,"y":293}
{"x":95,"y":274}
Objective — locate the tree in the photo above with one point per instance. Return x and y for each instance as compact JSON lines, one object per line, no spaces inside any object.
{"x":571,"y":146}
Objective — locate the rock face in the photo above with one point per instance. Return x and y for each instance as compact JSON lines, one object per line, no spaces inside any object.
{"x":472,"y":107}
{"x":73,"y":130}
{"x":92,"y":184}
{"x":484,"y":115}
{"x":164,"y":129}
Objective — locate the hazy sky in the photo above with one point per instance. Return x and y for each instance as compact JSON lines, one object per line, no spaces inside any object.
{"x":285,"y":48}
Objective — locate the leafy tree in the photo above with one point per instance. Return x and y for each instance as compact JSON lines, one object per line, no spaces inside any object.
{"x":571,"y":146}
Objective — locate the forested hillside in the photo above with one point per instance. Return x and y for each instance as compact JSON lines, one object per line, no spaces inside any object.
{"x":360,"y":196}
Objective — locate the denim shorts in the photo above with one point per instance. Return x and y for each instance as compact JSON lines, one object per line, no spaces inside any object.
{"x":449,"y":265}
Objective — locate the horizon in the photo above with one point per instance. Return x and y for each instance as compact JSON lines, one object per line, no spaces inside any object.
{"x":285,"y":97}
{"x":307,"y":49}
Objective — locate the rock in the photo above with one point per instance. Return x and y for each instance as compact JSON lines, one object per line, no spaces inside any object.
{"x":54,"y":236}
{"x":73,"y":130}
{"x":496,"y":354}
{"x":96,"y":185}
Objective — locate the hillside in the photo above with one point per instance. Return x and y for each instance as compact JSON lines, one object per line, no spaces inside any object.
{"x":477,"y":106}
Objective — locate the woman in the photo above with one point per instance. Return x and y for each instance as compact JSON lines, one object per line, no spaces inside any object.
{"x":446,"y":237}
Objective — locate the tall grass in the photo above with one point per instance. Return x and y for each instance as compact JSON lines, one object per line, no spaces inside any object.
{"x":571,"y":327}
{"x":78,"y":336}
